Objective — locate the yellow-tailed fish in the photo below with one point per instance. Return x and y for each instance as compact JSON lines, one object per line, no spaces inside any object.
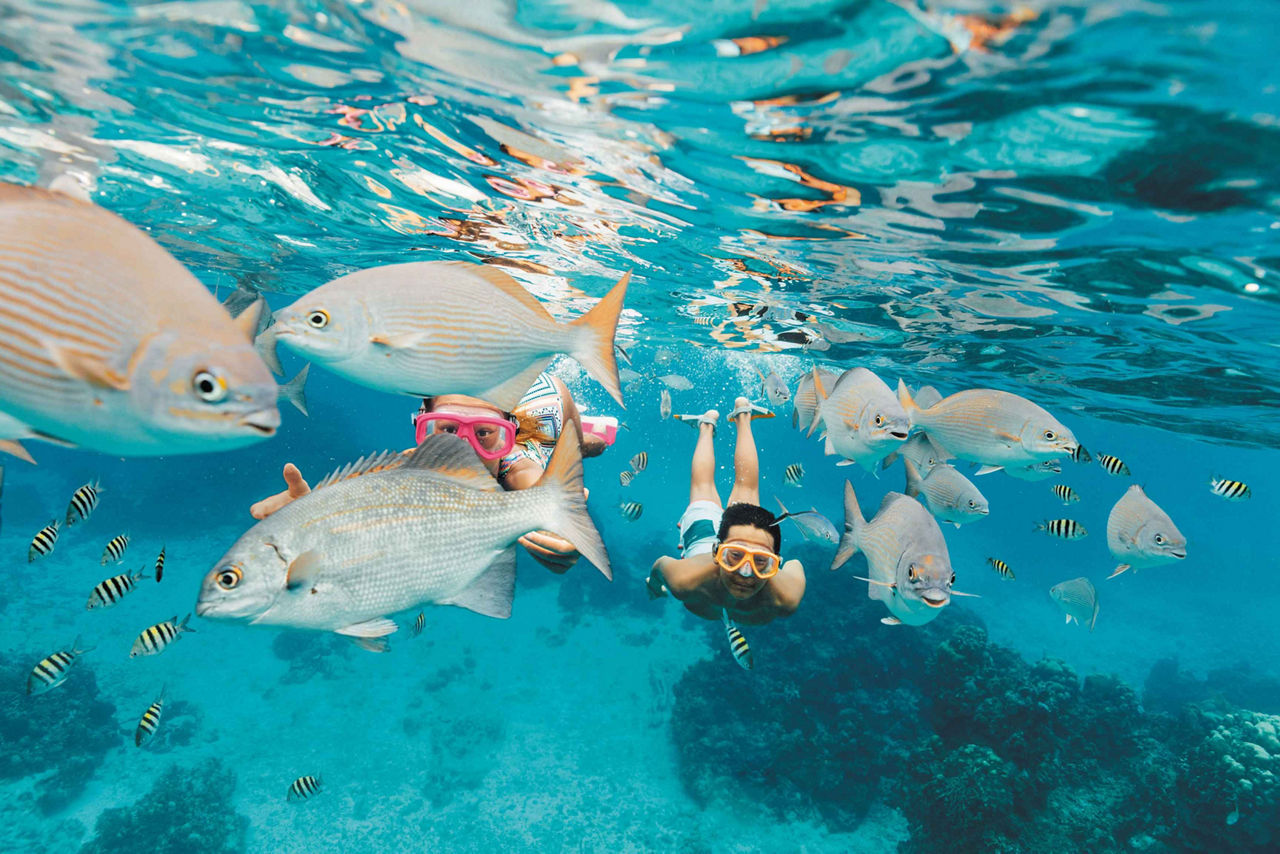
{"x":350,"y":552}
{"x":949,"y":495}
{"x":804,"y":406}
{"x":1232,"y":490}
{"x":793,"y":475}
{"x":1002,"y":569}
{"x":1078,"y":600}
{"x":909,"y":568}
{"x":1065,"y":494}
{"x":864,"y":421}
{"x":1140,"y":534}
{"x":631,"y":510}
{"x":1063,"y":529}
{"x":111,"y":590}
{"x":149,"y":722}
{"x":96,"y":317}
{"x":640,"y":462}
{"x":437,"y":327}
{"x":1113,"y":465}
{"x":83,"y":502}
{"x":44,"y":540}
{"x":420,"y":623}
{"x":52,"y":671}
{"x":114,"y":552}
{"x":153,"y":640}
{"x":160,"y":565}
{"x":303,"y":788}
{"x":991,"y":427}
{"x":664,"y":404}
{"x":625,"y":477}
{"x":737,"y":643}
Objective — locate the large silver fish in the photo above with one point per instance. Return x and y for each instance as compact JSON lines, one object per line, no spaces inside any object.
{"x":805,"y":403}
{"x":774,"y":388}
{"x":1078,"y":600}
{"x":1140,"y":534}
{"x":864,"y":421}
{"x":991,"y":427}
{"x":437,"y":327}
{"x":909,"y":567}
{"x":107,"y":342}
{"x":949,"y":495}
{"x":393,"y":531}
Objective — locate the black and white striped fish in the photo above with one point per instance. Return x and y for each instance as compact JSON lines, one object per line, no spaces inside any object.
{"x":154,"y":639}
{"x":149,"y":722}
{"x":1002,"y":569}
{"x":303,"y":788}
{"x":625,"y":477}
{"x":737,"y":643}
{"x":420,"y":623}
{"x":160,"y":565}
{"x":52,"y":671}
{"x":1080,"y":454}
{"x":640,"y":462}
{"x":113,"y":589}
{"x":1063,"y":529}
{"x":1232,"y":490}
{"x":44,"y":540}
{"x":631,"y":510}
{"x":1065,"y":494}
{"x":114,"y":552}
{"x":1113,"y":465}
{"x":83,"y":502}
{"x":793,"y":474}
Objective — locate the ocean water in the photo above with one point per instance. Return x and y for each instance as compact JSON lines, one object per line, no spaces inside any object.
{"x":1076,"y":202}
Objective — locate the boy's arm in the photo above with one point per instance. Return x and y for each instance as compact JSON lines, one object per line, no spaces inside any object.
{"x":656,"y":583}
{"x":670,"y":575}
{"x":788,"y":588}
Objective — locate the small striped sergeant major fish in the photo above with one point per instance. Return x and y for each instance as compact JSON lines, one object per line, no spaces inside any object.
{"x":303,"y":788}
{"x":625,"y":477}
{"x":114,"y":552}
{"x":44,"y":541}
{"x":1081,"y":455}
{"x":113,"y":589}
{"x":160,"y":565}
{"x":154,"y":639}
{"x":1232,"y":490}
{"x":83,"y":502}
{"x":737,"y":643}
{"x":420,"y":623}
{"x":52,"y":671}
{"x":1065,"y":494}
{"x":631,"y":510}
{"x":793,"y":474}
{"x":1002,"y":569}
{"x":664,"y":404}
{"x":149,"y":722}
{"x":1063,"y":529}
{"x":1113,"y":465}
{"x":640,"y":462}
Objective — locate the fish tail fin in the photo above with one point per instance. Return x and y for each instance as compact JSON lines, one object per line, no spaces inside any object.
{"x":141,"y":573}
{"x":595,"y":349}
{"x":266,"y":345}
{"x":913,"y":478}
{"x":77,"y":649}
{"x":566,"y":507}
{"x":1040,"y":526}
{"x":1093,"y":621}
{"x":819,"y":395}
{"x":1124,"y":567}
{"x":183,"y":627}
{"x":853,"y":524}
{"x":295,"y":390}
{"x":15,"y":449}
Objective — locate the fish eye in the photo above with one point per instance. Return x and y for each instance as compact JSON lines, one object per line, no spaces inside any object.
{"x":230,"y":577}
{"x":1159,"y":539}
{"x":209,"y":387}
{"x":1050,"y":435}
{"x":879,"y":420}
{"x":913,"y":573}
{"x":318,"y":319}
{"x":972,"y":503}
{"x":953,"y":579}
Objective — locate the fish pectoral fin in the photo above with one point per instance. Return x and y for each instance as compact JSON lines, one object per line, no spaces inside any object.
{"x":378,"y":627}
{"x":987,"y":470}
{"x":8,"y":446}
{"x":1124,"y":567}
{"x":397,"y":341}
{"x":507,"y":394}
{"x":492,"y":592}
{"x":303,"y":571}
{"x":1069,"y":619}
{"x":891,"y":621}
{"x":87,"y":369}
{"x":1008,"y":437}
{"x":845,"y":463}
{"x":372,"y":644}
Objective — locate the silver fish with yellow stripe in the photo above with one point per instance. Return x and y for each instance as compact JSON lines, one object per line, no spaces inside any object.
{"x":111,"y":590}
{"x":949,"y":495}
{"x":991,"y":427}
{"x":864,"y":421}
{"x":96,"y":317}
{"x":1078,"y":600}
{"x":153,"y":640}
{"x":53,"y":670}
{"x":737,"y":643}
{"x":437,"y":327}
{"x":1141,"y":535}
{"x":149,"y":722}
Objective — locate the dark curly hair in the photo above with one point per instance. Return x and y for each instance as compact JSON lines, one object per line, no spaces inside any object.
{"x":753,"y":515}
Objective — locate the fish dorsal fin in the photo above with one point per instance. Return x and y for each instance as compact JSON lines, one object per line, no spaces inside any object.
{"x":492,"y":592}
{"x":367,"y":464}
{"x":504,"y":282}
{"x":452,"y":457}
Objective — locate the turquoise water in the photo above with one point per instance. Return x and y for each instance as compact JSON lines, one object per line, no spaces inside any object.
{"x":1080,"y":209}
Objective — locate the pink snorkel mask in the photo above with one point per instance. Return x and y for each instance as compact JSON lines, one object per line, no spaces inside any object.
{"x":492,"y":436}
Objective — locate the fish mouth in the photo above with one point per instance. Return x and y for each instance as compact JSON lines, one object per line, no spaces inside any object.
{"x":928,"y":598}
{"x":265,"y":421}
{"x":203,"y":608}
{"x":898,"y":434}
{"x":1179,"y":554}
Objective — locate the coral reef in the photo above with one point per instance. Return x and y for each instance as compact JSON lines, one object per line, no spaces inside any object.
{"x":188,"y":809}
{"x":65,"y":731}
{"x":1229,"y":788}
{"x":1169,"y":689}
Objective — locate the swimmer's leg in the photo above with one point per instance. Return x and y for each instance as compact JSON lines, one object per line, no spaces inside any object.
{"x":746,"y":462}
{"x":702,"y":477}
